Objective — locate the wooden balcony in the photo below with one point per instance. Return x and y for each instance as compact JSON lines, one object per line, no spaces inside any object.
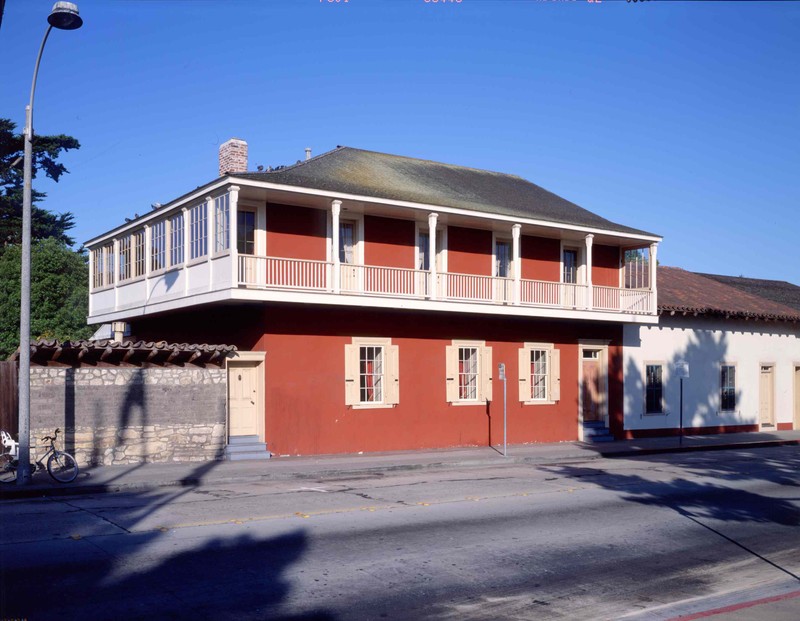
{"x":256,"y":272}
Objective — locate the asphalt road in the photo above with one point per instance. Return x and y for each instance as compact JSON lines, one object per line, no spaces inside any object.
{"x":645,"y":538}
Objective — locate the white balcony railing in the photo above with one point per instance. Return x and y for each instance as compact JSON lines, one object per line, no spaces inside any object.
{"x":274,"y":272}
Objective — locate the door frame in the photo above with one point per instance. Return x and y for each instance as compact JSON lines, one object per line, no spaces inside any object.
{"x":772,"y":426}
{"x":242,"y":359}
{"x":796,"y":385}
{"x":602,"y":346}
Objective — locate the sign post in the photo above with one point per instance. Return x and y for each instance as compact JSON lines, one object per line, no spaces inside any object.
{"x":502,"y":374}
{"x":682,"y":370}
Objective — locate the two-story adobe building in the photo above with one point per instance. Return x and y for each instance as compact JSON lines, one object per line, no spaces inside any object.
{"x":372,"y":298}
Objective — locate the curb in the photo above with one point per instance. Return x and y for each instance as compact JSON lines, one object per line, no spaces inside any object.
{"x":699,"y":448}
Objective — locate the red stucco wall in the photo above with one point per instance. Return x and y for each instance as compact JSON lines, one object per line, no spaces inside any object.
{"x":296,"y":232}
{"x":605,"y":265}
{"x":304,"y":375}
{"x":389,"y":241}
{"x":540,"y":258}
{"x":469,"y":251}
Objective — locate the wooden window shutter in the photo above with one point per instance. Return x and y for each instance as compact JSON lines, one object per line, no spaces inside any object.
{"x":486,"y":373}
{"x":392,"y":374}
{"x":524,"y":374}
{"x":351,"y":379}
{"x":451,"y":372}
{"x":555,"y":375}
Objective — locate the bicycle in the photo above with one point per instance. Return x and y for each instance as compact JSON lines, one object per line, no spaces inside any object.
{"x":61,"y":466}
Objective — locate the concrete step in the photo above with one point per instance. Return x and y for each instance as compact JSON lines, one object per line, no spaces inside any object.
{"x":596,"y":431}
{"x":246,"y":447}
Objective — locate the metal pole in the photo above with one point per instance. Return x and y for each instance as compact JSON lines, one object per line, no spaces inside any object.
{"x":505,"y":420}
{"x":23,"y":471}
{"x":680,"y":441}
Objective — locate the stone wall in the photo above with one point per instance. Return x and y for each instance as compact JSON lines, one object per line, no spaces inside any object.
{"x":131,"y":415}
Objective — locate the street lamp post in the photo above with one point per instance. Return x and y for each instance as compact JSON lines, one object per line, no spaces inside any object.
{"x":64,"y":16}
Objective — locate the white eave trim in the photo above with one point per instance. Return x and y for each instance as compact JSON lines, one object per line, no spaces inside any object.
{"x":205,"y":190}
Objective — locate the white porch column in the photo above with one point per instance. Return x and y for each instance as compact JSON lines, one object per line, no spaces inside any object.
{"x":187,"y":251}
{"x":92,"y":279}
{"x":653,"y":273}
{"x":233,"y":221}
{"x":516,"y":261}
{"x":589,"y":288}
{"x":148,"y":257}
{"x":115,"y":271}
{"x":212,"y":238}
{"x":336,"y":208}
{"x":432,"y":219}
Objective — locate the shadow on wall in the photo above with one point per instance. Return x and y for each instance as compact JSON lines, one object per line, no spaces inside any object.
{"x":701,"y":391}
{"x":147,"y":573}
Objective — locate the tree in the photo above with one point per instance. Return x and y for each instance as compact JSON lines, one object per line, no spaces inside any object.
{"x":46,"y":150}
{"x":59,"y":293}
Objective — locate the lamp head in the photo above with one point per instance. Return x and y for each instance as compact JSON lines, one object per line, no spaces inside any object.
{"x":64,"y":16}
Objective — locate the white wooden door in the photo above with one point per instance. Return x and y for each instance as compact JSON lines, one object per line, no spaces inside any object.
{"x":243,"y":400}
{"x":766,"y":399}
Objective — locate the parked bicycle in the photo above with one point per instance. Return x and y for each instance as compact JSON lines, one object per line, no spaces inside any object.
{"x":61,"y":466}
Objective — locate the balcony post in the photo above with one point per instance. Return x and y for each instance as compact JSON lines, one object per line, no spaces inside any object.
{"x":233,"y":223}
{"x":148,"y":258}
{"x":432,"y":219}
{"x":516,"y":261}
{"x":653,"y":272}
{"x":114,"y":271}
{"x":336,"y":208}
{"x":589,"y":288}
{"x":187,"y":240}
{"x":211,"y":238}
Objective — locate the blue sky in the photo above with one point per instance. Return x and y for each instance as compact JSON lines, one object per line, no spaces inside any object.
{"x":679,"y":118}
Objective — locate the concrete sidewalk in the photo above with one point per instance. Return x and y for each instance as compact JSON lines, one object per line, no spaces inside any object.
{"x":143,"y":477}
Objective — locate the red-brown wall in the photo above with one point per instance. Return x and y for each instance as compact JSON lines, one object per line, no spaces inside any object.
{"x":389,"y":242}
{"x":304,"y":375}
{"x":469,"y":251}
{"x":541,"y":258}
{"x":296,"y":232}
{"x":605,"y":265}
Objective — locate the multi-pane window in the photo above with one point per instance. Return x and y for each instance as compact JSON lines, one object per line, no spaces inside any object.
{"x":222,"y":223}
{"x":198,"y":231}
{"x":103,"y":266}
{"x":176,"y":239}
{"x":539,"y":373}
{"x":654,"y":389}
{"x":423,"y":245}
{"x":138,"y":254}
{"x":158,"y":246}
{"x":125,"y":257}
{"x":370,"y":374}
{"x":727,"y":384}
{"x":347,"y":239}
{"x":468,"y":370}
{"x":502,"y":259}
{"x":570,"y":266}
{"x":246,"y":232}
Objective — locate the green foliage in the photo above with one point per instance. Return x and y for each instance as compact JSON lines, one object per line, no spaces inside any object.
{"x":59,"y":293}
{"x":46,"y":150}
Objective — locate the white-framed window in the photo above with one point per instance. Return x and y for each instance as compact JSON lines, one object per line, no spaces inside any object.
{"x":727,"y":387}
{"x":125,"y":257}
{"x":569,"y":264}
{"x":347,"y":241}
{"x":103,"y":266}
{"x":654,"y":387}
{"x":158,"y":246}
{"x":502,"y":258}
{"x":246,"y":232}
{"x":539,"y":373}
{"x":139,"y":259}
{"x":372,"y":373}
{"x":198,"y":231}
{"x":222,"y":223}
{"x":468,"y":368}
{"x":176,"y":239}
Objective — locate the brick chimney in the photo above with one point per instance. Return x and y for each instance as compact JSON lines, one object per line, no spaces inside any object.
{"x":232,"y":157}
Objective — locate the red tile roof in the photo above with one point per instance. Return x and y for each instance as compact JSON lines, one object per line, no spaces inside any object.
{"x":688,"y":292}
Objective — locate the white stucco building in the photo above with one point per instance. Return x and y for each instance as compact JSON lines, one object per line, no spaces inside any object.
{"x":742,"y":353}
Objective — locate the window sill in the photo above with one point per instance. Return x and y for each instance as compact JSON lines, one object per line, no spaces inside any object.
{"x":460,"y":403}
{"x":221,"y":254}
{"x":198,"y":261}
{"x":372,"y":406}
{"x":540,"y":402}
{"x":130,"y":281}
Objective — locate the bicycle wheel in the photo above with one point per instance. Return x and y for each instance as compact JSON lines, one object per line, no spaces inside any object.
{"x":62,"y":467}
{"x":8,"y":468}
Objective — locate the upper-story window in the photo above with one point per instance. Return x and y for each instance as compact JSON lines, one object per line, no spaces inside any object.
{"x":347,"y":241}
{"x":176,"y":239}
{"x":158,"y":246}
{"x":423,"y":250}
{"x":222,"y":220}
{"x":570,"y":266}
{"x":502,"y":259}
{"x":138,"y":254}
{"x":198,"y":231}
{"x":125,"y":257}
{"x":103,"y":266}
{"x":246,"y":232}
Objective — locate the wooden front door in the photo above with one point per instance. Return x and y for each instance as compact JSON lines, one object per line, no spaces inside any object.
{"x":766,"y":397}
{"x":592,"y":389}
{"x":243,"y":399}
